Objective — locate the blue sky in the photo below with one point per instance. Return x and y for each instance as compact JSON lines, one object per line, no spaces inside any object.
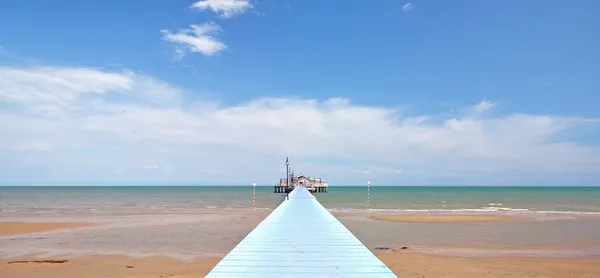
{"x":398,"y":92}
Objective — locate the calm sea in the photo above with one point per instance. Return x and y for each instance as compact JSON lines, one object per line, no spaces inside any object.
{"x":109,"y":199}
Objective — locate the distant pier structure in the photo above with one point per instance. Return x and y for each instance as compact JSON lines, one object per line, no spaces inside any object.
{"x":291,"y":181}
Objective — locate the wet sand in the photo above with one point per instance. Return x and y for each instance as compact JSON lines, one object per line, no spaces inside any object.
{"x":190,"y":245}
{"x":403,"y":263}
{"x":12,"y":228}
{"x":439,"y":218}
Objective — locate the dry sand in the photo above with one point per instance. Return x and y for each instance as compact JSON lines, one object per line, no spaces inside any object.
{"x":409,"y":264}
{"x":11,"y":228}
{"x":404,"y":263}
{"x":439,"y":218}
{"x":107,"y":266}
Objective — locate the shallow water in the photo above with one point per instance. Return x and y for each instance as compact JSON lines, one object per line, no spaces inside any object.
{"x":187,"y":222}
{"x":211,"y":232}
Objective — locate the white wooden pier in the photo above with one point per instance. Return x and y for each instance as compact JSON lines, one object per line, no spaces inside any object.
{"x":300,"y":238}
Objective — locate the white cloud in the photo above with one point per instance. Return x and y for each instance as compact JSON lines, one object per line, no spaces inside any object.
{"x":408,"y":6}
{"x":59,"y":89}
{"x":106,"y":120}
{"x":483,"y":106}
{"x":196,"y":39}
{"x":225,"y":8}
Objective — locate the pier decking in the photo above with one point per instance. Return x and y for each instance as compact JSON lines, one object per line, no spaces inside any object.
{"x":300,"y":238}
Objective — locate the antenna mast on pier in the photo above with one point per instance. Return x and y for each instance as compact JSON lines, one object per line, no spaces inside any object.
{"x":287,"y":170}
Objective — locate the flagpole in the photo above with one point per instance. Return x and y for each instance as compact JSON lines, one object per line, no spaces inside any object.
{"x":368,"y":193}
{"x":253,"y":195}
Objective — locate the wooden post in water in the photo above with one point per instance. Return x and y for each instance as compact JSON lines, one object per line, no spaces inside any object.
{"x":253,"y":195}
{"x":368,"y":193}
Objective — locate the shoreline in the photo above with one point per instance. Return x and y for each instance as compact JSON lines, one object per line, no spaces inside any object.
{"x":436,"y":233}
{"x":109,"y":234}
{"x":447,"y":218}
{"x":22,"y":228}
{"x":529,"y":214}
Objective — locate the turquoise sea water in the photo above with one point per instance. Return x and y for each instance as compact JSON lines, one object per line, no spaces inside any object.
{"x":545,"y":200}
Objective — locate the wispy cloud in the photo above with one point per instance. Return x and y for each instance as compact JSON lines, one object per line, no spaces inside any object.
{"x":3,"y":50}
{"x":199,"y":38}
{"x":408,"y":6}
{"x":123,"y":117}
{"x":483,"y":106}
{"x":59,"y":89}
{"x":225,"y":8}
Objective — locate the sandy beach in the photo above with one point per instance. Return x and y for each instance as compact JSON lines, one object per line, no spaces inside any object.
{"x":403,"y":263}
{"x":109,"y":248}
{"x":9,"y":228}
{"x":108,"y":266}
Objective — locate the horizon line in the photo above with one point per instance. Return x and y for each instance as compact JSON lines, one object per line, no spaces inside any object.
{"x":250,"y":185}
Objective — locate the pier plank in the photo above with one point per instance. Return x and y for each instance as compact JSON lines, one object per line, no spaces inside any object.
{"x":300,"y":238}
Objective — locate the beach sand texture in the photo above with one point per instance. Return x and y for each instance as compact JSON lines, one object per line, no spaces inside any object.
{"x":404,"y":264}
{"x":79,"y":260}
{"x":9,"y":228}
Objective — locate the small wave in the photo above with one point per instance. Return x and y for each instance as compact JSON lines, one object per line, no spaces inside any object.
{"x":569,"y":212}
{"x":473,"y":210}
{"x":263,"y":208}
{"x":483,"y":209}
{"x":495,"y":204}
{"x":501,"y":209}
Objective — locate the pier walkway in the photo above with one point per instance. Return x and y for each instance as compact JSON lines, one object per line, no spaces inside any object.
{"x":300,"y":238}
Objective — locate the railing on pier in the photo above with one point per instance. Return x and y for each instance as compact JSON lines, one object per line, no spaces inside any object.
{"x":300,"y":238}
